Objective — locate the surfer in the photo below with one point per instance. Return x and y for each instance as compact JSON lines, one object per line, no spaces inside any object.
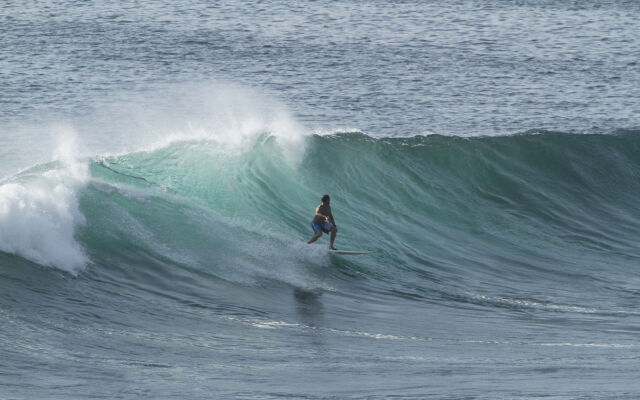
{"x":323,"y":222}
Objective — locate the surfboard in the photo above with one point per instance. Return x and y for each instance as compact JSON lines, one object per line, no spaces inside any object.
{"x":351,"y":252}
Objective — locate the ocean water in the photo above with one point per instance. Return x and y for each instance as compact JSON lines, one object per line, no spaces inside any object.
{"x":160,"y":163}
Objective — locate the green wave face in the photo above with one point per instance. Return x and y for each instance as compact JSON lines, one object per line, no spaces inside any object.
{"x":436,"y":210}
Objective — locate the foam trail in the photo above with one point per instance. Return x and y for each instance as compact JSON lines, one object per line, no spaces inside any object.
{"x":39,"y":212}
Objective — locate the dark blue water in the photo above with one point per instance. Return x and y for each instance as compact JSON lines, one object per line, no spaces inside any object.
{"x":160,"y":164}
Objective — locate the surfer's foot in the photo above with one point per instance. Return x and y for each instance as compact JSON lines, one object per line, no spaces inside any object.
{"x":332,"y":248}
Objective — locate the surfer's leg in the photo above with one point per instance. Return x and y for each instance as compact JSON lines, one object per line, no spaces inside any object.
{"x":334,"y":232}
{"x":315,"y":237}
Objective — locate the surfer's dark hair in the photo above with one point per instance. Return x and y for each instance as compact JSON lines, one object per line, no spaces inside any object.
{"x":325,"y":198}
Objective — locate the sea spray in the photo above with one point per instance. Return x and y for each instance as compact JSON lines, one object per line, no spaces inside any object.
{"x":39,"y":212}
{"x":233,"y":116}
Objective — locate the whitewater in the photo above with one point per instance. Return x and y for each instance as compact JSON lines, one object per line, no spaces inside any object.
{"x":160,"y":164}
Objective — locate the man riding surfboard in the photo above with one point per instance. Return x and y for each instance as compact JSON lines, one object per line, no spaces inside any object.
{"x":323,"y":222}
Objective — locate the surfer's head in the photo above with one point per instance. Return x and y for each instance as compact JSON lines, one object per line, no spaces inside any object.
{"x":325,"y":198}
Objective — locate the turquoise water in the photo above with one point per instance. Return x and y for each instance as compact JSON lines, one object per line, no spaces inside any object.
{"x":161,"y":163}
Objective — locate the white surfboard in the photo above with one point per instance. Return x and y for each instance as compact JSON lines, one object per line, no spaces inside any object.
{"x":351,"y":252}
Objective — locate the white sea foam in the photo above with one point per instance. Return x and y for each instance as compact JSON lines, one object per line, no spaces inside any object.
{"x":535,"y":304}
{"x":39,"y":213}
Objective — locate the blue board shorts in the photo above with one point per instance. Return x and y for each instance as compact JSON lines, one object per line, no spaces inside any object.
{"x":324,"y":227}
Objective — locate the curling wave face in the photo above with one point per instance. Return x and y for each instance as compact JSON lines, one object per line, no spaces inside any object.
{"x":543,"y":205}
